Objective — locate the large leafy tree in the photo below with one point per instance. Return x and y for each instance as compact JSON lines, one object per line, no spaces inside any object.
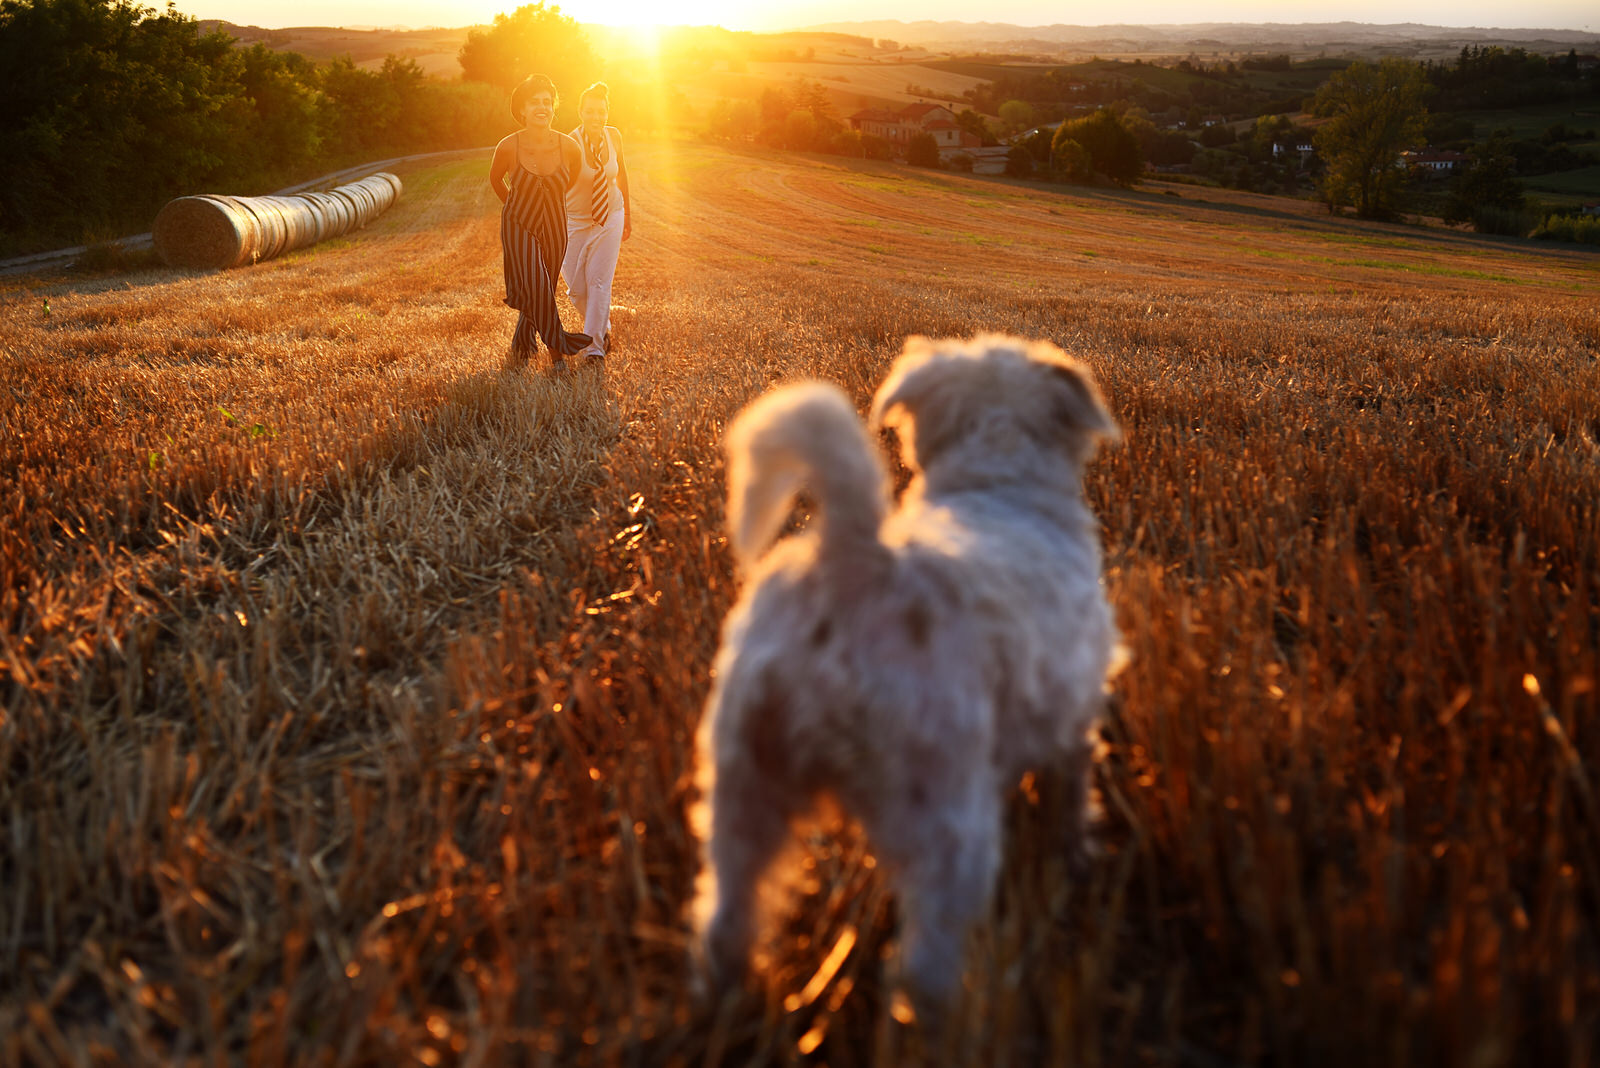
{"x":109,"y":105}
{"x":108,"y":108}
{"x":1112,"y":148}
{"x":279,"y":117}
{"x":1374,"y":112}
{"x":1491,"y":182}
{"x":533,"y":39}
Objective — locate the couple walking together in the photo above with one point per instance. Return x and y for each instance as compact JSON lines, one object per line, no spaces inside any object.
{"x":567,"y":212}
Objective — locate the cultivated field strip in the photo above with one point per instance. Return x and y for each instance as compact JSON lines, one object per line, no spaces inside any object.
{"x":349,"y":680}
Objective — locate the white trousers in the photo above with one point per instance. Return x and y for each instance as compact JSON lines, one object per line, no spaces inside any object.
{"x":590,"y":263}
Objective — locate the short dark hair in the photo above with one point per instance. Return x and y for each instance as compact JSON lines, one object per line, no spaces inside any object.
{"x":599,"y":89}
{"x":533,"y":83}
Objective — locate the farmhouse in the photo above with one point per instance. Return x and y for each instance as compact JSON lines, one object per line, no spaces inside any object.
{"x":1435,"y":161}
{"x":991,"y":160}
{"x":1581,"y":63}
{"x":1305,"y":149}
{"x":899,"y":127}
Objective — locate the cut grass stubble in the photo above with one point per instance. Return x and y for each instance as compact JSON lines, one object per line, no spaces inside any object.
{"x":367,"y":736}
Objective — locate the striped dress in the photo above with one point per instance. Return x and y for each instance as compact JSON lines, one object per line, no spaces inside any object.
{"x":533,"y":238}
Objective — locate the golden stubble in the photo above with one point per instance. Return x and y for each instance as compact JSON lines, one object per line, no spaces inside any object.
{"x":349,"y":680}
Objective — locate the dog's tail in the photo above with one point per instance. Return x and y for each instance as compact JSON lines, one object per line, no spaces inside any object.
{"x":804,"y":436}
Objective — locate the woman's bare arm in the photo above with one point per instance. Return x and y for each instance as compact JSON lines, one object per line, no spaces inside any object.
{"x":505,"y":154}
{"x":574,"y":157}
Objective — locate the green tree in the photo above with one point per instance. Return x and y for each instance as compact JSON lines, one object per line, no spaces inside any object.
{"x":533,"y":39}
{"x":976,"y":125}
{"x":1374,"y":111}
{"x":800,"y":130}
{"x":110,"y":108}
{"x":735,"y":120}
{"x":1113,"y":149}
{"x":1016,"y":115}
{"x":812,"y":96}
{"x":922,"y":151}
{"x":1489,"y":183}
{"x":279,"y":111}
{"x":1072,"y":161}
{"x":361,"y":108}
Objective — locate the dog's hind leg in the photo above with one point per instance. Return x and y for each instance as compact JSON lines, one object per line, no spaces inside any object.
{"x":749,"y":825}
{"x":947,"y":855}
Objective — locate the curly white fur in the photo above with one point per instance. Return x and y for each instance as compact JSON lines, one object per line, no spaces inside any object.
{"x":911,"y":665}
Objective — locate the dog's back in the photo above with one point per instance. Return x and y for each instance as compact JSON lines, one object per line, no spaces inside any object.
{"x":910,"y":664}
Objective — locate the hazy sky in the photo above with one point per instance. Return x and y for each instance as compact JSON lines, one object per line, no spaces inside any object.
{"x":743,"y":15}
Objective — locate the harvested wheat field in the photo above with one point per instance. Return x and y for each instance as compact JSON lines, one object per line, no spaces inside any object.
{"x":349,"y":681}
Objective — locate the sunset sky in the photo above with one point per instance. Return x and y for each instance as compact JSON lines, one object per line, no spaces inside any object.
{"x":742,"y":15}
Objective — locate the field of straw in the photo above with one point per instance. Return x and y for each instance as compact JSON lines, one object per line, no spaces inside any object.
{"x":349,"y":681}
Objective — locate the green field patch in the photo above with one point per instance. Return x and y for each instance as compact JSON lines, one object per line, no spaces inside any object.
{"x":1530,"y":122}
{"x":1584,"y":183}
{"x":1369,"y":241}
{"x":878,"y":185}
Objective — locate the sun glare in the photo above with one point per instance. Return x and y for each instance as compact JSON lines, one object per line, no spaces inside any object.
{"x":638,"y":13}
{"x":643,"y":38}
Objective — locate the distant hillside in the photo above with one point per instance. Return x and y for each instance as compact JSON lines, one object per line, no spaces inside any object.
{"x":434,"y":49}
{"x":1403,"y":38}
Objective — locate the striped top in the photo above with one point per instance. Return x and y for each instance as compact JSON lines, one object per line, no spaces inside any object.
{"x":535,"y":204}
{"x":580,"y":198}
{"x":533,"y":239}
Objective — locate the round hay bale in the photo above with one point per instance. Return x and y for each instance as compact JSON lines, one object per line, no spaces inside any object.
{"x":333,"y":213}
{"x":353,"y":206}
{"x":213,"y":231}
{"x":300,"y":224}
{"x":269,"y":223}
{"x":208,"y":232}
{"x":363,"y":196}
{"x":330,"y":212}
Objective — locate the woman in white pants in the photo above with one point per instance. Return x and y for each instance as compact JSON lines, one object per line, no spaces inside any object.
{"x":598,"y":217}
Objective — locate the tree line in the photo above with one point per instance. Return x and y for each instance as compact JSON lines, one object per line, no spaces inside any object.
{"x":113,"y":107}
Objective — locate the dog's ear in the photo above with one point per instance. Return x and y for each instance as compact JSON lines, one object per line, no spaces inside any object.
{"x":904,"y":386}
{"x":1077,"y":408}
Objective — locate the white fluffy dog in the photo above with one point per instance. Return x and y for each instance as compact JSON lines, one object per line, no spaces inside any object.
{"x":911,"y":665}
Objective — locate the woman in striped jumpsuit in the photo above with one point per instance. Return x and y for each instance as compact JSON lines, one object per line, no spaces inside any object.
{"x":599,"y":217}
{"x":542,"y":165}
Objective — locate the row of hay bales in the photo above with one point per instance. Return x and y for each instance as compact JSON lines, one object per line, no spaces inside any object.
{"x":213,"y":231}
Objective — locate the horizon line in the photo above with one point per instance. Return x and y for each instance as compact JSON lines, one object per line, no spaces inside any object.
{"x":834,"y":27}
